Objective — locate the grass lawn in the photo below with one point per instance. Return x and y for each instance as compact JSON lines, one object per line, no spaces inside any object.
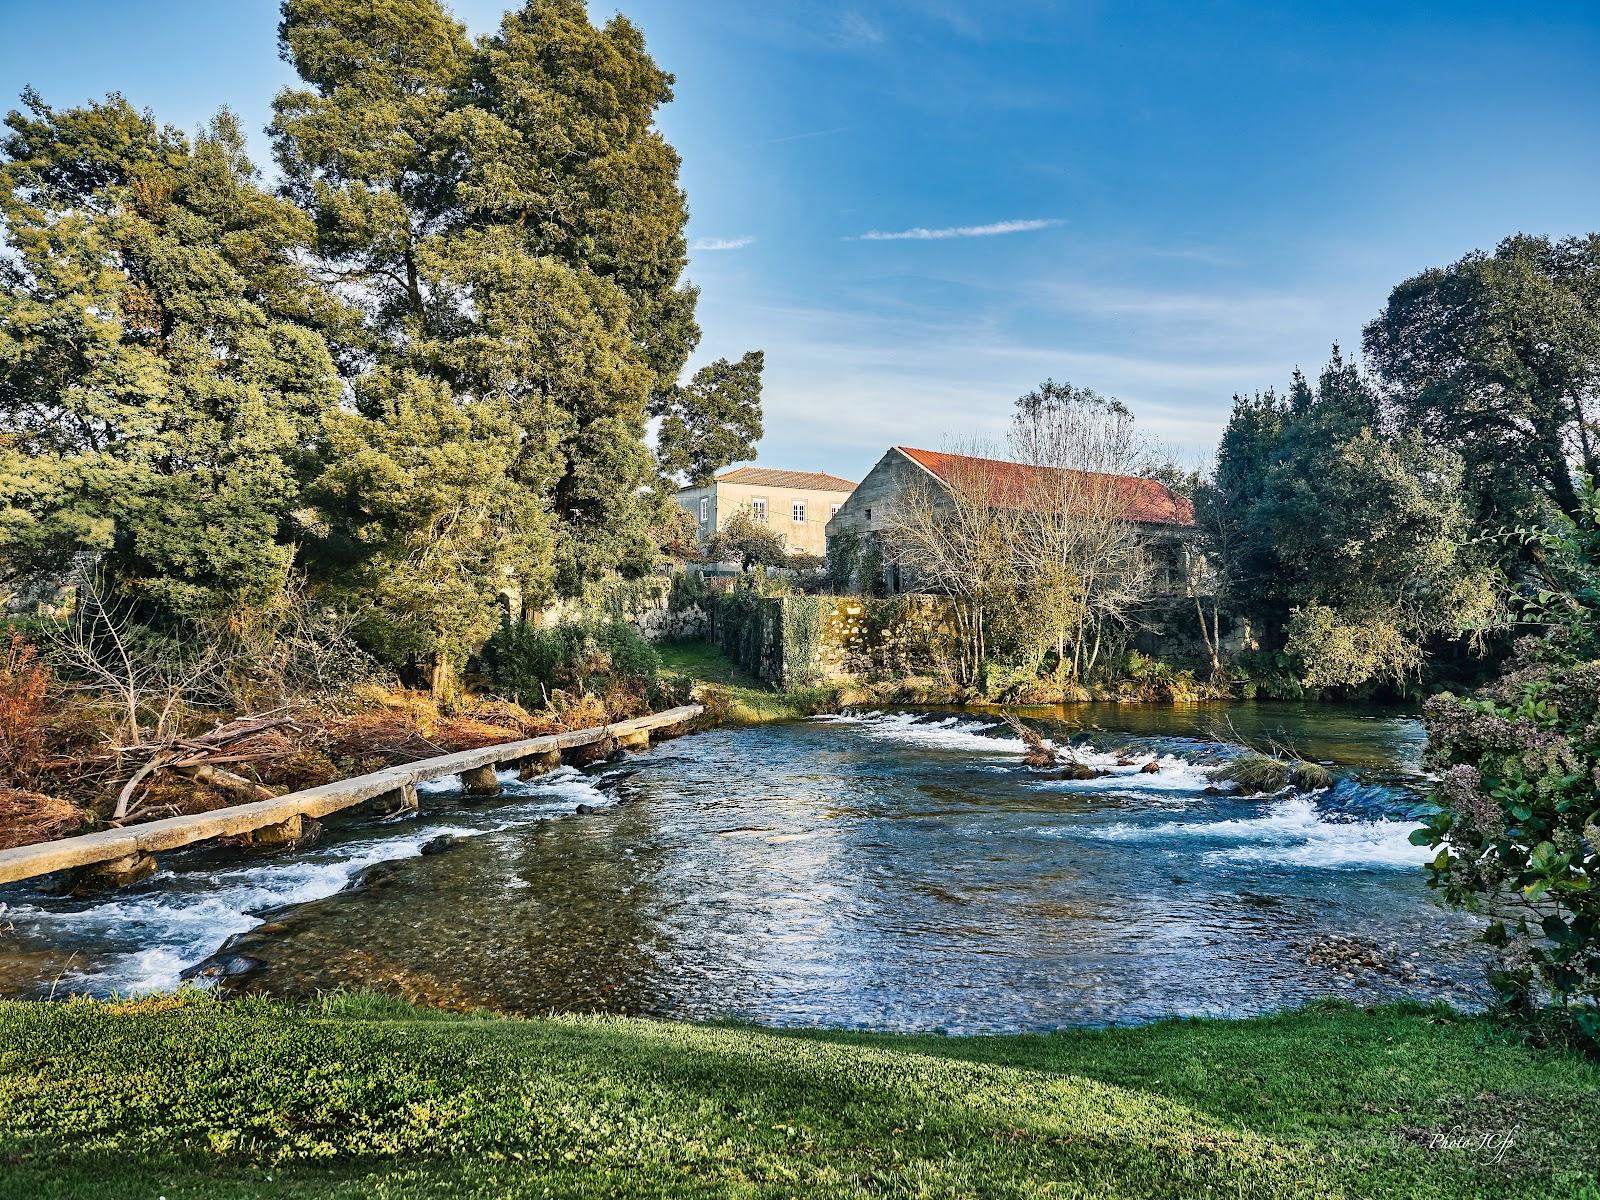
{"x":733,"y":695}
{"x":364,"y":1097}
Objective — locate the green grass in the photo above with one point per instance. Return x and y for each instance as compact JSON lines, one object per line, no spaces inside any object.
{"x":734,"y":696}
{"x":191,"y":1097}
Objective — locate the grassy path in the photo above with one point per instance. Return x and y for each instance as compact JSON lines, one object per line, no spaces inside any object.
{"x":731,"y":694}
{"x":361,"y":1097}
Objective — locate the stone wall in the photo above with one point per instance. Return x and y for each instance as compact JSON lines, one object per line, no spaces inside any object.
{"x":643,"y":603}
{"x":798,"y":641}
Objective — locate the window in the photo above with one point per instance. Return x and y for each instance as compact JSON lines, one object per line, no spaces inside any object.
{"x":705,"y":508}
{"x":797,"y":510}
{"x":869,"y":514}
{"x":758,"y":510}
{"x":833,"y":511}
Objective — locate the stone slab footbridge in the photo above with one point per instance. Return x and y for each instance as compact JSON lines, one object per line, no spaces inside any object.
{"x":113,"y":856}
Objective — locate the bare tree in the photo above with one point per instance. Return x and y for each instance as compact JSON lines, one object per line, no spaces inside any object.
{"x":1079,"y":540}
{"x":953,"y":538}
{"x":103,"y":649}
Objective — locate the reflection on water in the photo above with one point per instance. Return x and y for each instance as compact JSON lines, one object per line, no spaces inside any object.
{"x":895,"y":871}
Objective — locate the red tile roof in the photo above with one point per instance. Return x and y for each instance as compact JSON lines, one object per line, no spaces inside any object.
{"x":1149,"y":501}
{"x":817,"y":481}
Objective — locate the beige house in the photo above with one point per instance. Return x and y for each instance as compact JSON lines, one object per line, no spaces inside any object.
{"x":798,"y":504}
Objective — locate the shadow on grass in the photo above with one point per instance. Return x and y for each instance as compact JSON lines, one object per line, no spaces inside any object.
{"x":1304,"y":1103}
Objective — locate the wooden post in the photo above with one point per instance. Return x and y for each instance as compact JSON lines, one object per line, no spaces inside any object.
{"x":481,"y":781}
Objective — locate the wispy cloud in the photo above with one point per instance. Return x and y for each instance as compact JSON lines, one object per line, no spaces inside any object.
{"x":712,"y":243}
{"x":920,"y":234}
{"x":855,"y":30}
{"x":810,"y":133}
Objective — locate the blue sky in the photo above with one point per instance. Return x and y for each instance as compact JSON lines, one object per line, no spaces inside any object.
{"x":1169,"y":202}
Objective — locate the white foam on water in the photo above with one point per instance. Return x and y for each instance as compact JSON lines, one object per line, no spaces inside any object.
{"x":938,"y":733}
{"x":1178,"y":778}
{"x":1293,"y":833}
{"x":152,"y":937}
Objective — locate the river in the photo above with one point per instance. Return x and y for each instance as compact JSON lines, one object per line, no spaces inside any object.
{"x":876,"y":870}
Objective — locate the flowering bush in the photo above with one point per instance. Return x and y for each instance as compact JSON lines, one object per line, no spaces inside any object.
{"x":1516,"y":811}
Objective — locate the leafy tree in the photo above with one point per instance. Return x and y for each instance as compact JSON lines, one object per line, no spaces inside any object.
{"x":163,"y":370}
{"x":1365,"y":535}
{"x":513,"y":219}
{"x":713,"y":420}
{"x":754,"y":543}
{"x":413,"y":516}
{"x":1516,"y":818}
{"x":1497,"y":359}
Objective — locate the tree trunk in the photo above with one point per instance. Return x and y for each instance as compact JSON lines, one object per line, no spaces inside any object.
{"x":1210,"y":634}
{"x":1561,"y":487}
{"x":441,"y":676}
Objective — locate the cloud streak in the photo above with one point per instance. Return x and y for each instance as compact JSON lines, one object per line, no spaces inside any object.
{"x":920,"y":234}
{"x":712,"y":243}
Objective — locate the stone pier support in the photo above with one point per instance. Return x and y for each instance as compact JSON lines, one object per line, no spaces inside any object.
{"x":481,"y":781}
{"x":539,"y":764}
{"x":401,"y":800}
{"x":118,"y":873}
{"x":286,"y":833}
{"x":634,"y":741}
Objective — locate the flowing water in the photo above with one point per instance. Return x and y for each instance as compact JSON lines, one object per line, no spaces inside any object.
{"x":880,"y":870}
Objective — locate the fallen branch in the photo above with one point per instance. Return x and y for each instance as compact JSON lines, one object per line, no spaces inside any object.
{"x":1040,"y":753}
{"x":199,"y":757}
{"x":227,"y":781}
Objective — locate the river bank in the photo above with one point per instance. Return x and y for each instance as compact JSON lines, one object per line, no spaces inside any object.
{"x":362,"y":1096}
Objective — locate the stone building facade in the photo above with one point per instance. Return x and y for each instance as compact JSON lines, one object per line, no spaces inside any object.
{"x":1167,"y":519}
{"x":798,"y":504}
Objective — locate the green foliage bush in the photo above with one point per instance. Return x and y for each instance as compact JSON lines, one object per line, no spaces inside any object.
{"x":1254,"y":774}
{"x":1516,"y":812}
{"x":530,"y":663}
{"x":1338,"y":651}
{"x":844,"y":556}
{"x":801,"y":620}
{"x":688,"y":590}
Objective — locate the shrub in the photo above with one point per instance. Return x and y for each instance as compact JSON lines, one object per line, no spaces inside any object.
{"x":1515,"y":814}
{"x":844,"y":556}
{"x":1254,"y":774}
{"x":1310,"y":776}
{"x":24,"y":689}
{"x":689,"y":589}
{"x":530,"y":663}
{"x":1338,"y":652}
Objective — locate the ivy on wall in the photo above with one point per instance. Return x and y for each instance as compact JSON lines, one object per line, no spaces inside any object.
{"x":801,"y":640}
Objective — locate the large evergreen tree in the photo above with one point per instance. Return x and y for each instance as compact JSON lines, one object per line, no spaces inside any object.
{"x":163,"y":371}
{"x":1355,"y":537}
{"x":513,"y":219}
